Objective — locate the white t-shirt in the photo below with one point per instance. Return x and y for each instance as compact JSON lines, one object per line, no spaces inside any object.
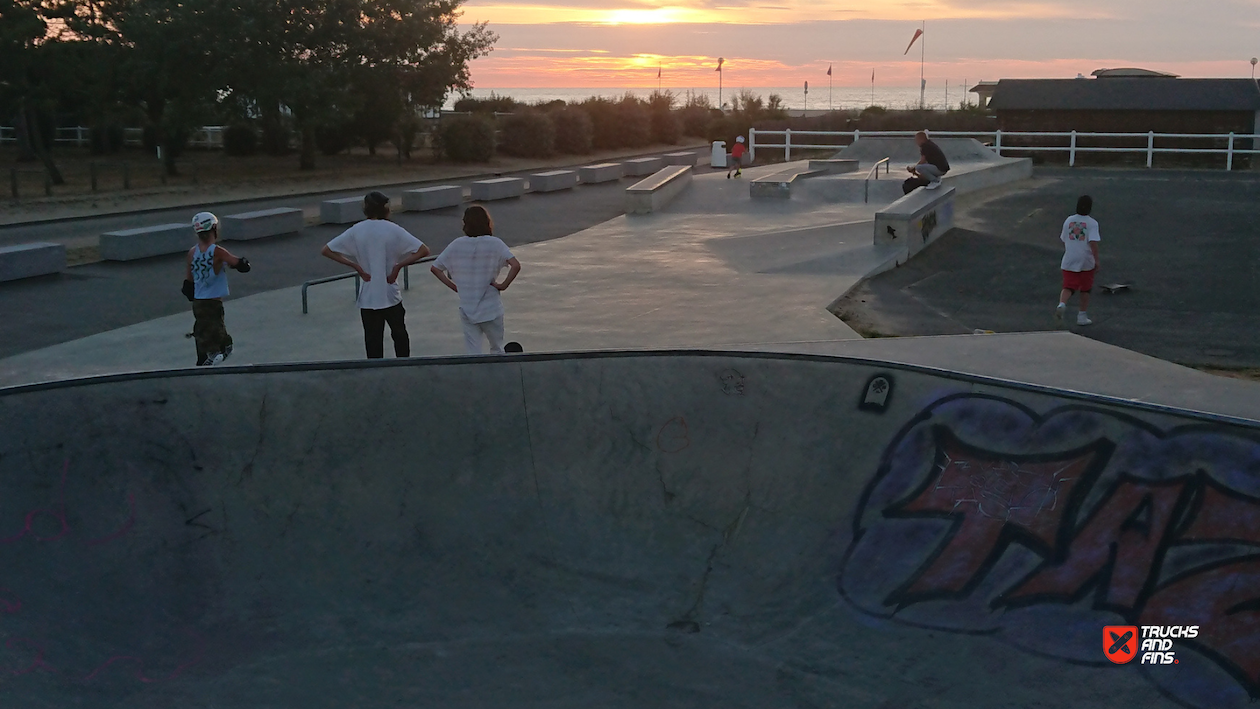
{"x":377,"y":245}
{"x":1078,"y":231}
{"x":474,"y":262}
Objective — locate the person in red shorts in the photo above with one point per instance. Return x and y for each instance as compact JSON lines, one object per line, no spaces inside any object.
{"x":1080,"y":259}
{"x":737,"y":158}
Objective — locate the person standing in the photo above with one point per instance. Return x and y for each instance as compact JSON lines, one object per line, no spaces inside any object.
{"x":206,"y":285}
{"x":470,"y":266}
{"x":931,"y":167}
{"x":1080,"y":239}
{"x":737,"y":158}
{"x":378,"y":250}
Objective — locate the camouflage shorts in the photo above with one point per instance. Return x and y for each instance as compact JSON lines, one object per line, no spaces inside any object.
{"x":209,"y":331}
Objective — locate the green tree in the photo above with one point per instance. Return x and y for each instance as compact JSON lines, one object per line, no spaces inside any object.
{"x":23,"y":34}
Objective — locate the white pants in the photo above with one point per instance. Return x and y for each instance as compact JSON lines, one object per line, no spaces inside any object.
{"x":474,"y":331}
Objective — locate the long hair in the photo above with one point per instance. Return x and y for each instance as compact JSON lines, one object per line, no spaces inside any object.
{"x":376,"y":206}
{"x":477,"y":221}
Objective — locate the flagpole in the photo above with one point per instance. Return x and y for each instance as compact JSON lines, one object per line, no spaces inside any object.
{"x":829,"y":107}
{"x":922,"y":60}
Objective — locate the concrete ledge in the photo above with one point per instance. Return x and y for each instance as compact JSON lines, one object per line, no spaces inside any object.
{"x":498,"y":188}
{"x":426,"y":198}
{"x":643,"y":166}
{"x":779,"y":185}
{"x":39,"y":258}
{"x":603,"y":172}
{"x":261,"y":224}
{"x":660,"y":189}
{"x":341,"y":211}
{"x":131,"y":244}
{"x":553,"y":181}
{"x":834,"y":166}
{"x":916,"y":220}
{"x":682,"y":158}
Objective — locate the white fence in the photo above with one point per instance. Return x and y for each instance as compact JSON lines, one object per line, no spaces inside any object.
{"x":208,"y":137}
{"x":994,"y":140}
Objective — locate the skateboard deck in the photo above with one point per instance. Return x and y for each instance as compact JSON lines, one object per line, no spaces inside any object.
{"x":1116,"y":287}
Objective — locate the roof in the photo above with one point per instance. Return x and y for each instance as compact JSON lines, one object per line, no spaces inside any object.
{"x":1126,"y":94}
{"x":1130,"y":72}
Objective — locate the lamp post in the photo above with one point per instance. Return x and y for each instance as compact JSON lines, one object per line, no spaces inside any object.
{"x":806,"y":115}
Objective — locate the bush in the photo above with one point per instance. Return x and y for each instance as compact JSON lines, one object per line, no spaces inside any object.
{"x":333,"y":140}
{"x":603,"y":115}
{"x":276,"y":137}
{"x":240,"y":139}
{"x":466,"y":139}
{"x":665,"y":126}
{"x":494,"y":104}
{"x":176,"y":140}
{"x":695,"y":120}
{"x":528,"y":134}
{"x":634,"y":123}
{"x":574,"y":133}
{"x":106,"y":138}
{"x":722,"y":129}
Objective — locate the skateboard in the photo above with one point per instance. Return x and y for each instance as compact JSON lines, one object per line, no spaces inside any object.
{"x":1112,"y":288}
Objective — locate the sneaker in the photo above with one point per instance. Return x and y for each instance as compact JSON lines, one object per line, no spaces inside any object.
{"x":227,"y":352}
{"x":1058,"y":312}
{"x":1083,"y":319}
{"x":216,"y":359}
{"x":933,"y":185}
{"x":728,"y":175}
{"x":739,"y":173}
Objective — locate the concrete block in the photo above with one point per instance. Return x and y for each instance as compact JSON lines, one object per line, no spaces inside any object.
{"x":27,"y":260}
{"x":777,"y":186}
{"x":131,"y":244}
{"x":603,"y":172}
{"x":682,"y":158}
{"x":498,"y":188}
{"x":660,"y":189}
{"x":427,"y":198}
{"x":835,"y":166}
{"x":341,"y":211}
{"x":553,"y":180}
{"x":639,"y":167}
{"x":261,"y":224}
{"x":916,"y":220}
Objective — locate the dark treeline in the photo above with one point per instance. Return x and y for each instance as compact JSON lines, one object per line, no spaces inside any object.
{"x":278,"y":72}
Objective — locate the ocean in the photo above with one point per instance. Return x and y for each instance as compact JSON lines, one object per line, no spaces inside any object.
{"x":841,"y":97}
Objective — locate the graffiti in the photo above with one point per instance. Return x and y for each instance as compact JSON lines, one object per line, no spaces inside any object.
{"x":58,"y":514}
{"x":732,"y":382}
{"x":927,"y":225}
{"x":1042,"y":529}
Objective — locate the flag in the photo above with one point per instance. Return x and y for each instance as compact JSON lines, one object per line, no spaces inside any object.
{"x":828,"y":70}
{"x":872,"y":76}
{"x":917,"y":35}
{"x":658,"y":71}
{"x":720,"y":62}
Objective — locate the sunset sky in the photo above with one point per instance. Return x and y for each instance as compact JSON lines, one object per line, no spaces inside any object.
{"x":619,"y":43}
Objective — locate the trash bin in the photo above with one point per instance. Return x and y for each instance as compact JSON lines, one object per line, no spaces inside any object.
{"x":718,"y":158}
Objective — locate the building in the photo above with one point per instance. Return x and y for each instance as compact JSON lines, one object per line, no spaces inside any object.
{"x":1128,"y":101}
{"x":984,"y":92}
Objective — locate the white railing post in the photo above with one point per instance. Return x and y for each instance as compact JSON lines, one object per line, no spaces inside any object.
{"x":787,"y":144}
{"x":997,"y":142}
{"x":1229,"y":153}
{"x":856,"y":134}
{"x":752,"y":145}
{"x":1072,"y":151}
{"x":78,"y":141}
{"x":1150,"y":148}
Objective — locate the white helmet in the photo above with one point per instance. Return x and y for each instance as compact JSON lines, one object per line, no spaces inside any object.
{"x":204,"y":222}
{"x":739,"y":139}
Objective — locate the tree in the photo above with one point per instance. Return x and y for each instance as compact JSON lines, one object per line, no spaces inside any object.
{"x":23,"y":29}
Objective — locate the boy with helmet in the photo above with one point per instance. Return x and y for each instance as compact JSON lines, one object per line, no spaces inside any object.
{"x":737,"y":158}
{"x":205,"y":285}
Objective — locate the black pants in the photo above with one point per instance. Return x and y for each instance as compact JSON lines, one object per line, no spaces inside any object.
{"x":374,"y":331}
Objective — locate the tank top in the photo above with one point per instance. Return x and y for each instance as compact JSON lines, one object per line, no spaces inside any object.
{"x":207,"y":284}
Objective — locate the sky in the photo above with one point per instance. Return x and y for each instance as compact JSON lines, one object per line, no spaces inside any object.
{"x":621,"y":43}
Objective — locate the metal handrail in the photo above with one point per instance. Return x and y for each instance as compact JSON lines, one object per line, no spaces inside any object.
{"x":357,"y":281}
{"x":887,"y":163}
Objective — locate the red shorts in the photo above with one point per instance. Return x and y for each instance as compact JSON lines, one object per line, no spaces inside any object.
{"x":1082,"y":281}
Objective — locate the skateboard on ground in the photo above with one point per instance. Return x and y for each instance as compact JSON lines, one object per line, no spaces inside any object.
{"x":1112,"y":288}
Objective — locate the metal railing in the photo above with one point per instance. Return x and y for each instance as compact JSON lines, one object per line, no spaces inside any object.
{"x":406,"y":274}
{"x":995,"y":138}
{"x":874,"y":172}
{"x":208,"y":137}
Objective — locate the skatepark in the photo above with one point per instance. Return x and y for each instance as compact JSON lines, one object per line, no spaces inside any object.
{"x":699,"y":487}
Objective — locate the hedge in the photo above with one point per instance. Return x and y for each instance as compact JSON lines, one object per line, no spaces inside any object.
{"x":240,"y":139}
{"x":466,"y":139}
{"x":528,"y":134}
{"x":574,"y":132}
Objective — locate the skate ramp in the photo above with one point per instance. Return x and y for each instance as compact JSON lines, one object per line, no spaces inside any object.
{"x":615,"y":530}
{"x":903,"y":151}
